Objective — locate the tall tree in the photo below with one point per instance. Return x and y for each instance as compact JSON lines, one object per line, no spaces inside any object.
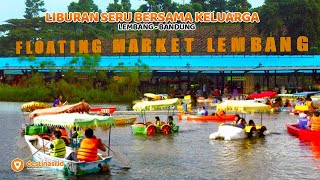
{"x":217,"y":5}
{"x":33,"y":8}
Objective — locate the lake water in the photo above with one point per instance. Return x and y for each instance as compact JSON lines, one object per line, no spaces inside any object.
{"x":188,"y":154}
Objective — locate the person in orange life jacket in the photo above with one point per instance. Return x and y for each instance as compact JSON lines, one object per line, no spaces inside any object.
{"x":88,"y":150}
{"x":58,"y":147}
{"x":303,"y":121}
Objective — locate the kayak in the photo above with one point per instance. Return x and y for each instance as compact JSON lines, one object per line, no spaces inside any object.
{"x":33,"y":105}
{"x":124,"y":120}
{"x":303,"y":134}
{"x":215,"y":118}
{"x":265,"y":94}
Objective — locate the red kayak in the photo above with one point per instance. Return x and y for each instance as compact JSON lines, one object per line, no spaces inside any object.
{"x":215,"y":118}
{"x":103,"y":110}
{"x":303,"y":134}
{"x":264,"y":94}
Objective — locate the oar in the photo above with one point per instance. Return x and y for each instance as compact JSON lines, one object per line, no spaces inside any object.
{"x":121,"y":157}
{"x":36,"y":151}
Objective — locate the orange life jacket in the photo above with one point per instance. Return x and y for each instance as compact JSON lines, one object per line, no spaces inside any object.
{"x":88,"y":150}
{"x":315,"y":123}
{"x":63,"y":132}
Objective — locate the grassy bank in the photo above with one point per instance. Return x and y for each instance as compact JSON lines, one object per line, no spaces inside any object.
{"x":35,"y":89}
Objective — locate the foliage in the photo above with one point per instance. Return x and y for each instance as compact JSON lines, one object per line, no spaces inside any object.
{"x":33,"y":7}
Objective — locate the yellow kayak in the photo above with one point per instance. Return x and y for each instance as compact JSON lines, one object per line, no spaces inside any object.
{"x":33,"y":105}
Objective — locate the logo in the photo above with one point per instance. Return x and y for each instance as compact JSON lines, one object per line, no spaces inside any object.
{"x":17,"y":165}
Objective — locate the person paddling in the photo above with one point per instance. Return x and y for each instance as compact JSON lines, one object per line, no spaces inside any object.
{"x":57,"y":102}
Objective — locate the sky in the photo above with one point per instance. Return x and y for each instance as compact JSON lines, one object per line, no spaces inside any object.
{"x":16,"y":8}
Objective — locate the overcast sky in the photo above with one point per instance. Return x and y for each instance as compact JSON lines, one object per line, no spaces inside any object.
{"x":11,"y":9}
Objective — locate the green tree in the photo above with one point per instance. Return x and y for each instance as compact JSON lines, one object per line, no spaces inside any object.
{"x":33,"y":8}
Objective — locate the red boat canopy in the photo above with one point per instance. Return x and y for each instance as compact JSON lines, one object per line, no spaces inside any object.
{"x":264,"y":94}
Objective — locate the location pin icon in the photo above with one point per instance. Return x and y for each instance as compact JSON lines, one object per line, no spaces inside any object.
{"x":17,"y":164}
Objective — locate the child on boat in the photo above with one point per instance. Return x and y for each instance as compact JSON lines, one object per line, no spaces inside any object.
{"x":303,"y":121}
{"x":170,"y":121}
{"x":203,"y":112}
{"x":158,"y":122}
{"x":58,"y":147}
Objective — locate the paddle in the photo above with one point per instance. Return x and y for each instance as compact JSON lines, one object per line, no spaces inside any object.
{"x":36,"y":151}
{"x":121,"y":157}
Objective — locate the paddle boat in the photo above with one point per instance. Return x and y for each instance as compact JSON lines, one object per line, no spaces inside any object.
{"x":229,"y":131}
{"x":151,"y":129}
{"x":69,"y":120}
{"x":303,"y":134}
{"x":33,"y":105}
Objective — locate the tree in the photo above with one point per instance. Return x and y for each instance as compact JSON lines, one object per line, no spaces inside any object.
{"x":217,"y":5}
{"x":33,"y":7}
{"x":238,"y":5}
{"x":292,"y":18}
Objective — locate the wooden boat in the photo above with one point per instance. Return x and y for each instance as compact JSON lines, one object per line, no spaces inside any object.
{"x":124,"y":120}
{"x":215,"y":118}
{"x":79,"y":107}
{"x":69,"y":120}
{"x":33,"y":105}
{"x":70,"y":167}
{"x":156,"y":105}
{"x":303,"y":134}
{"x":102,"y":110}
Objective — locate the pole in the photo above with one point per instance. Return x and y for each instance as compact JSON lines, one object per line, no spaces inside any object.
{"x":261,"y":118}
{"x":109,"y":141}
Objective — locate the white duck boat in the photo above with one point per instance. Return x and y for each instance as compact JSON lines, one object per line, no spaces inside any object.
{"x":229,"y":131}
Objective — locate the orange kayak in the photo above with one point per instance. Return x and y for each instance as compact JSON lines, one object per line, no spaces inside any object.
{"x":215,"y":118}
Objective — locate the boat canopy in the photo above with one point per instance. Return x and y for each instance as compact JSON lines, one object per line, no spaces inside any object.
{"x":70,"y":120}
{"x":246,"y":106}
{"x":155,"y":105}
{"x":79,"y":107}
{"x":305,"y":94}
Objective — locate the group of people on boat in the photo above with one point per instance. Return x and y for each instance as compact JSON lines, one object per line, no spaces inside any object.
{"x":309,"y":122}
{"x":88,"y":150}
{"x":169,"y":121}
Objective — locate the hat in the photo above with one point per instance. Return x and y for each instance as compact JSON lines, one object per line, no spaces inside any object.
{"x":302,"y":115}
